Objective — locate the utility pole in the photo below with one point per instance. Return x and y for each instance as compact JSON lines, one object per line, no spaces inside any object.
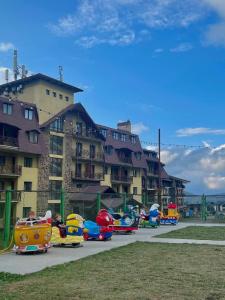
{"x":159,"y":169}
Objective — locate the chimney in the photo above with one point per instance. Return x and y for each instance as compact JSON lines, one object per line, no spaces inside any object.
{"x":126,"y":126}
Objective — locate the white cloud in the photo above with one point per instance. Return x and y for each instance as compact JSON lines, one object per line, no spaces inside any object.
{"x":139,"y":128}
{"x":215,"y":182}
{"x":123,"y":22}
{"x":183,"y":47}
{"x":4,"y":47}
{"x":199,"y":131}
{"x":158,"y":50}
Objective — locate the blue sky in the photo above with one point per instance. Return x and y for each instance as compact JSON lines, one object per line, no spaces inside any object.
{"x":159,"y":63}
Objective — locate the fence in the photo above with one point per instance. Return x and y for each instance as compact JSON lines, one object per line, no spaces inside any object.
{"x":18,"y":204}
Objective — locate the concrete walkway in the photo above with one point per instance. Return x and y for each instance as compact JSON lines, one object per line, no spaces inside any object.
{"x":25,"y":264}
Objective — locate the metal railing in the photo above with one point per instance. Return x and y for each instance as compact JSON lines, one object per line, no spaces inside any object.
{"x":12,"y":170}
{"x":87,"y":176}
{"x":120,"y":178}
{"x":88,"y":155}
{"x":8,"y":141}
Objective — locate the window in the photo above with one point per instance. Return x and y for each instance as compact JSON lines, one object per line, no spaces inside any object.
{"x":28,"y":161}
{"x":135,"y":173}
{"x":106,"y":170}
{"x":55,"y":167}
{"x":138,"y":155}
{"x":123,"y":137}
{"x":55,"y":187}
{"x":78,"y":170}
{"x":47,"y":92}
{"x":60,"y":96}
{"x":108,"y":150}
{"x":2,"y":186}
{"x":92,"y":151}
{"x":57,"y":125}
{"x":7,"y":108}
{"x":115,"y":135}
{"x":56,"y":145}
{"x":133,"y":139}
{"x":27,"y":186}
{"x":54,"y":94}
{"x":26,"y":211}
{"x":79,"y":148}
{"x":33,"y":137}
{"x":28,"y":113}
{"x":103,"y":132}
{"x":67,"y":98}
{"x":134,"y":190}
{"x":79,"y":128}
{"x":2,"y":160}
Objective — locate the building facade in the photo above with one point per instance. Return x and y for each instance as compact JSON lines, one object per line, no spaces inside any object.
{"x":58,"y":146}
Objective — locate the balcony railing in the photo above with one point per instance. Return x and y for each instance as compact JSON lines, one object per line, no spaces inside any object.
{"x":87,"y":155}
{"x":120,"y":178}
{"x":10,"y":170}
{"x":125,"y":160}
{"x":87,"y":176}
{"x":8,"y":141}
{"x":86,"y":134}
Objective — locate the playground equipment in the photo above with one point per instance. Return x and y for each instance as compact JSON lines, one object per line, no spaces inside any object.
{"x":170,"y":215}
{"x":152,"y":219}
{"x":100,"y":230}
{"x":33,"y":236}
{"x":71,"y":234}
{"x":126,"y":222}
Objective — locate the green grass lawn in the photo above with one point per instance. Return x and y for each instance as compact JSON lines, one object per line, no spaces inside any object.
{"x":216,"y":233}
{"x":137,"y":271}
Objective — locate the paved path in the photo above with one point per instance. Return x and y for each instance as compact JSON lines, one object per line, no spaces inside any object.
{"x":24,"y":264}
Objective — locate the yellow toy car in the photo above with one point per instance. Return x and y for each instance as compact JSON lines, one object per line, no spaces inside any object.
{"x":71,"y":234}
{"x":32,"y":236}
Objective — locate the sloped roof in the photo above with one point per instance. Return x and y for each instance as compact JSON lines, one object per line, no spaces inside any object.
{"x":43,"y":77}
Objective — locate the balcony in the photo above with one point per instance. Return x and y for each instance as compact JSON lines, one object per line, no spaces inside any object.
{"x":125,"y":160}
{"x":87,"y":176}
{"x":86,"y":135}
{"x":8,"y":141}
{"x":120,"y":178}
{"x":87,"y":155}
{"x":9,"y":170}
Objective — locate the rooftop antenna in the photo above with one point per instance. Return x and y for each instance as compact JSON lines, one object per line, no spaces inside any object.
{"x":6,"y":75}
{"x":23,"y":72}
{"x":15,"y":64}
{"x":60,"y":73}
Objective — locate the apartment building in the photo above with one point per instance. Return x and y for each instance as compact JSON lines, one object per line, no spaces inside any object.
{"x":20,"y":150}
{"x":73,"y":156}
{"x":124,"y":160}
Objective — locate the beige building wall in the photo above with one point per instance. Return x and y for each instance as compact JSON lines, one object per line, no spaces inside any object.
{"x":36,"y":93}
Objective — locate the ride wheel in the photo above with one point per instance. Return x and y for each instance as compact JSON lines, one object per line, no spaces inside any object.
{"x":86,"y":236}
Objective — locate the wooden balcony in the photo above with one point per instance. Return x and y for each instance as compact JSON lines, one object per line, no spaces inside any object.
{"x":9,"y":170}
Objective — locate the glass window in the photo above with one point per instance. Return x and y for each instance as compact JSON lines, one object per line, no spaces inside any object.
{"x":57,"y":125}
{"x":78,"y":170}
{"x":47,"y":92}
{"x":79,"y":128}
{"x":108,"y":149}
{"x":28,"y":113}
{"x":26,"y":211}
{"x":92,"y":151}
{"x":33,"y":137}
{"x":56,"y":145}
{"x":55,"y":187}
{"x":7,"y":108}
{"x":67,"y":98}
{"x":135,"y":190}
{"x":103,"y":132}
{"x":133,"y":139}
{"x":27,"y":186}
{"x":115,"y":135}
{"x":55,"y":167}
{"x":123,"y":137}
{"x":2,"y":160}
{"x":2,"y":185}
{"x":28,"y":161}
{"x":138,"y":155}
{"x":79,"y":148}
{"x":60,"y":96}
{"x":54,"y":94}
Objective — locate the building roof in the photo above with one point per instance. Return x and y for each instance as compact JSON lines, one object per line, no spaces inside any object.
{"x":78,"y":108}
{"x":37,"y":77}
{"x":17,"y":120}
{"x":120,"y":145}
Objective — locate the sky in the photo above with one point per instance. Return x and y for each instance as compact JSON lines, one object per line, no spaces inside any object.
{"x":159,"y":63}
